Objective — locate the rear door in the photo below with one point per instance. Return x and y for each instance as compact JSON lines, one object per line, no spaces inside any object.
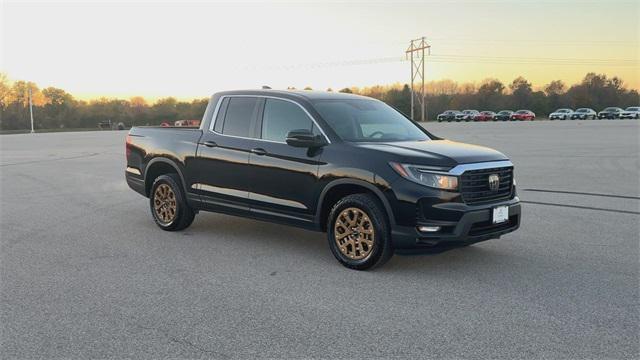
{"x":282,"y":178}
{"x":221,"y":170}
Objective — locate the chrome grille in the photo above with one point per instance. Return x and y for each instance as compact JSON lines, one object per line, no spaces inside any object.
{"x":474,"y":185}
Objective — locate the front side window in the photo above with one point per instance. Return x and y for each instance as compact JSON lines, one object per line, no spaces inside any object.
{"x":239,"y":116}
{"x":361,"y":120}
{"x":280,"y":117}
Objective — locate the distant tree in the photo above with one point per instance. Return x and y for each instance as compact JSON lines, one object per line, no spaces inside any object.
{"x":554,"y":91}
{"x":442,"y":87}
{"x":5,"y":91}
{"x":60,"y":108}
{"x":329,"y":90}
{"x":520,"y":93}
{"x":346,"y":90}
{"x":556,"y":87}
{"x":490,"y":94}
{"x":400,"y":98}
{"x":308,"y":88}
{"x":164,"y":109}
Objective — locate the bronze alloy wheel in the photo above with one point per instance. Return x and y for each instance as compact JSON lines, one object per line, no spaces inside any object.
{"x":354,"y":233}
{"x":164,"y":203}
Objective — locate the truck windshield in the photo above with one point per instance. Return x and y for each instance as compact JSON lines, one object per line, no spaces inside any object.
{"x":367,"y":120}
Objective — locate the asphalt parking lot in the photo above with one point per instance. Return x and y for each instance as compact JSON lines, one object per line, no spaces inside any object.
{"x":85,"y":273}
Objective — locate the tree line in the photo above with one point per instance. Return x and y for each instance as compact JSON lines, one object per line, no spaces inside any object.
{"x":54,"y":108}
{"x":595,"y":91}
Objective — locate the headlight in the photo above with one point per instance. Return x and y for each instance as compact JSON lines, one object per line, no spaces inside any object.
{"x":426,"y":176}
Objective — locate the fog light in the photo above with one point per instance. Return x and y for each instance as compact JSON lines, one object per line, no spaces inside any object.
{"x":428,"y":228}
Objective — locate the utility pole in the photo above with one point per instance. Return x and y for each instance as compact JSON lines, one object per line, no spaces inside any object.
{"x":416,"y":53}
{"x":31,"y":108}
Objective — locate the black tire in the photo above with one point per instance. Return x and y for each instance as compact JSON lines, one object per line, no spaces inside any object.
{"x":184,"y":214}
{"x":382,"y":249}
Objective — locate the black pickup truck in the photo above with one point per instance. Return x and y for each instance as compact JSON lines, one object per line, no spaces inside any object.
{"x":351,"y":166}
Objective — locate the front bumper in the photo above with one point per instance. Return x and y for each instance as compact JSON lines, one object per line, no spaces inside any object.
{"x":474,"y":225}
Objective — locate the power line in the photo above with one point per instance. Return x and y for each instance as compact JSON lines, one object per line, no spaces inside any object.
{"x":466,"y":59}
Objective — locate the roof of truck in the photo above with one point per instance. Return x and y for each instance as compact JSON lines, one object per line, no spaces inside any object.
{"x":306,"y":94}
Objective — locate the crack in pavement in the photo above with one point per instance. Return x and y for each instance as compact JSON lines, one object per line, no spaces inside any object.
{"x":580,"y":207}
{"x":583,"y":193}
{"x":50,"y":160}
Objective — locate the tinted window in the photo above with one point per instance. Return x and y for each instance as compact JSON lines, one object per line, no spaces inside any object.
{"x":280,"y":117}
{"x":239,"y":115}
{"x":220,"y":117}
{"x":367,"y":120}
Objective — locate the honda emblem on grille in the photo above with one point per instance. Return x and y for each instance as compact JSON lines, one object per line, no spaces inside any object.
{"x":494,"y":182}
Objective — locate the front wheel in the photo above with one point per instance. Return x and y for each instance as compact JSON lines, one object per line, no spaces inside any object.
{"x":168,"y":204}
{"x":358,"y":232}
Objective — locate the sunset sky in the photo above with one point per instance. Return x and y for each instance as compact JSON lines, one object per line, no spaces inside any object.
{"x":192,"y":49}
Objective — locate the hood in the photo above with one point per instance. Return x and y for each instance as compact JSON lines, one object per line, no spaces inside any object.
{"x":435,"y":152}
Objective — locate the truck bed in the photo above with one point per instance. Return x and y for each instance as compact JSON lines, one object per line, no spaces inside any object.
{"x":145,"y":143}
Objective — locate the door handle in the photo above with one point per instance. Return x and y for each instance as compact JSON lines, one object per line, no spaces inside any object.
{"x":209,"y":144}
{"x":259,"y":151}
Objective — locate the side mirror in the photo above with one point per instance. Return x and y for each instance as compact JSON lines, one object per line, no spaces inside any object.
{"x":304,"y":139}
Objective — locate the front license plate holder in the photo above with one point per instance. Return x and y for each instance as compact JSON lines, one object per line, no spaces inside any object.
{"x":500,"y":214}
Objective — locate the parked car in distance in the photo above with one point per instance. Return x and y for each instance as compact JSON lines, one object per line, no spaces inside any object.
{"x":632,"y":112}
{"x":348,"y":165}
{"x":467,"y":115}
{"x":448,"y":115}
{"x":584,"y":114}
{"x":189,"y":123}
{"x":561,"y":114}
{"x":503,"y":115}
{"x":610,"y":113}
{"x":484,"y":116}
{"x":523,"y":115}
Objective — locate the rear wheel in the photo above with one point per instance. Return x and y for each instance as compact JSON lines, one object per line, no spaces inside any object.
{"x":168,"y":204}
{"x":358,"y":232}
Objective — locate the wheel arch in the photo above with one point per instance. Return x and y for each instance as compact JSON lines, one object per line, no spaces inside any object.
{"x":160,"y":166}
{"x":340,"y":188}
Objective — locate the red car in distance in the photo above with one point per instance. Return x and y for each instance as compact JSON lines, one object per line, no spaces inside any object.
{"x":523,"y":115}
{"x":484,"y":116}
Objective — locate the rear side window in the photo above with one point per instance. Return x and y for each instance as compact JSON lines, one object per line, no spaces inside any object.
{"x":280,"y":117}
{"x":217,"y":127}
{"x":239,"y":116}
